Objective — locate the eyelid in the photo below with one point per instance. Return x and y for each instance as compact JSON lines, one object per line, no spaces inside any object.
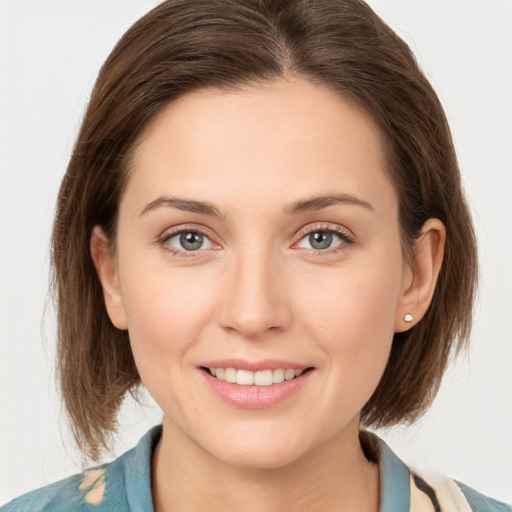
{"x":345,"y":234}
{"x":194,"y":228}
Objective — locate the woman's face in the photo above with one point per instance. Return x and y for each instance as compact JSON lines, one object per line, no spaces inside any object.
{"x":258,"y":234}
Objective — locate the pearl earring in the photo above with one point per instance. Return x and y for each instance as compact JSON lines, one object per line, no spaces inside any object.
{"x":408,"y":318}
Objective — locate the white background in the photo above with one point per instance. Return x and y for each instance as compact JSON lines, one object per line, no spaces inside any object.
{"x":50,"y":53}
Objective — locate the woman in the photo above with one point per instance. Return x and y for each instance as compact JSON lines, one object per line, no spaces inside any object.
{"x":262,"y":222}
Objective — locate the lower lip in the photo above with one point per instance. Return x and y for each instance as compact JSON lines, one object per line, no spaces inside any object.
{"x":255,"y":397}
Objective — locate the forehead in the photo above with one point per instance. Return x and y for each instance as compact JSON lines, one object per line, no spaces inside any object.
{"x":260,"y":138}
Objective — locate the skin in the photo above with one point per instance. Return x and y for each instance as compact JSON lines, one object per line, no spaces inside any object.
{"x":257,"y":290}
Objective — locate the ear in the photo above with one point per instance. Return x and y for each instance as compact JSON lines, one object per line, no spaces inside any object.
{"x":420,"y":275}
{"x":106,"y":268}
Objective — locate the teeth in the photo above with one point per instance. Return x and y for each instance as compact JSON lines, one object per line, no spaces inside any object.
{"x":248,"y":378}
{"x":245,"y":377}
{"x":278,"y":376}
{"x":263,"y":378}
{"x":289,"y":374}
{"x":230,"y":375}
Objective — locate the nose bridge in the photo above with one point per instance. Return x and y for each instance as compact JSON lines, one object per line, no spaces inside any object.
{"x":254,"y":301}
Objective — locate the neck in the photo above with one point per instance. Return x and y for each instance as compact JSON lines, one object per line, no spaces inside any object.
{"x":336,"y":476}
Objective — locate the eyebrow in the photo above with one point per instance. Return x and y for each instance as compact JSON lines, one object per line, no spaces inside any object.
{"x":302,"y":206}
{"x":317,"y":203}
{"x":187,"y":205}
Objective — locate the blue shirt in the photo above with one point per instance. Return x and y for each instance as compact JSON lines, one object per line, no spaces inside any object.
{"x":124,"y":486}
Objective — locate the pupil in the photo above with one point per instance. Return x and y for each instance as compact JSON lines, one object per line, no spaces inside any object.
{"x":320,"y":240}
{"x":191,"y":241}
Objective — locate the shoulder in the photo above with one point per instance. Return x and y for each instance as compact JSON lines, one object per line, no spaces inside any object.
{"x":409,"y":487}
{"x":121,"y":485}
{"x":448,"y":494}
{"x":78,"y":492}
{"x":59,"y":496}
{"x":479,"y":502}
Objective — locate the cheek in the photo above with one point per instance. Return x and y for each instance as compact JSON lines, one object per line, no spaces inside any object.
{"x":359,"y":300}
{"x":351,"y":315}
{"x":166,"y":313}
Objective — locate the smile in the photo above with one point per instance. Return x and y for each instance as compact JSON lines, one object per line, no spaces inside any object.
{"x":255,"y":385}
{"x":259,"y":378}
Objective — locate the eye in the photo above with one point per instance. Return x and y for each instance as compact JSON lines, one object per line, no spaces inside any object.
{"x":189,"y":241}
{"x":323,"y":240}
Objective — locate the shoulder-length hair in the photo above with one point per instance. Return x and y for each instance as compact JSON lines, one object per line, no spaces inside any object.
{"x":184,"y":45}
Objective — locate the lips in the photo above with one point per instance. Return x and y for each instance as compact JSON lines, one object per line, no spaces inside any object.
{"x":255,"y":385}
{"x":260,"y":378}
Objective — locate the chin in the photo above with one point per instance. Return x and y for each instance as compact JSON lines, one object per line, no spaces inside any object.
{"x":258,"y":457}
{"x":259,"y":451}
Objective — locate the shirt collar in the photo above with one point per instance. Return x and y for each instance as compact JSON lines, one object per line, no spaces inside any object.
{"x":137,"y":472}
{"x":394,"y":475}
{"x":394,"y":480}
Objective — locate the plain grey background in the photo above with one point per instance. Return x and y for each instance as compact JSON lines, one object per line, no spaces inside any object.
{"x":50,"y":53}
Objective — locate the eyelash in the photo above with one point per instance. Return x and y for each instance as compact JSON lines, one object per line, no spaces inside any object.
{"x":345,"y":238}
{"x":164,"y":239}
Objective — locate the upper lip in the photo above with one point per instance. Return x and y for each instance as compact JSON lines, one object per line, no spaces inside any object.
{"x":255,"y":366}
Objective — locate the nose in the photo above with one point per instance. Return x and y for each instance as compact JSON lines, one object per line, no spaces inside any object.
{"x":254,"y":299}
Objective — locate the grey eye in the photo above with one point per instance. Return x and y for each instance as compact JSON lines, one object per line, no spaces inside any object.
{"x":189,"y":241}
{"x":320,"y":240}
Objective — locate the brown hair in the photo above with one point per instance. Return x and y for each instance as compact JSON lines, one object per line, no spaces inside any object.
{"x":184,"y":45}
